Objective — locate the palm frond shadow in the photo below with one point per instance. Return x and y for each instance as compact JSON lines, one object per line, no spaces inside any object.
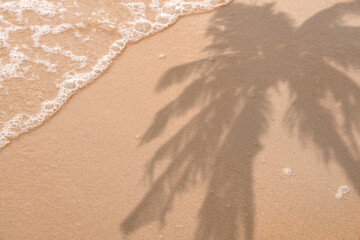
{"x":255,"y":49}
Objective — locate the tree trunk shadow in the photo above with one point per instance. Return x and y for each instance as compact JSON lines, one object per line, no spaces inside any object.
{"x":254,"y":49}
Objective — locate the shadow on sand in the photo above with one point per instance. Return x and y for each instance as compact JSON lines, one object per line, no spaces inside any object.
{"x":254,"y":49}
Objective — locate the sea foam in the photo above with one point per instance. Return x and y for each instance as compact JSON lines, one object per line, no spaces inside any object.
{"x":54,"y":48}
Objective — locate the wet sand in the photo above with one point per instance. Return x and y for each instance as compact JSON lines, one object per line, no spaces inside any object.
{"x":193,"y":145}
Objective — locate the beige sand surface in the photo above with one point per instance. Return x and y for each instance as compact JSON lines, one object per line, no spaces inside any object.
{"x":193,"y":146}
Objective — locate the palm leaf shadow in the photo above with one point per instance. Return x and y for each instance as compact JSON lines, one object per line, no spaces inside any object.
{"x":255,"y":49}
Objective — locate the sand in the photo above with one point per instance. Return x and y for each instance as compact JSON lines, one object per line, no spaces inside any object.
{"x":194,"y":145}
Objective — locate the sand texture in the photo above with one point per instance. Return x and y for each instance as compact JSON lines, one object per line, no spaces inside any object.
{"x":195,"y":144}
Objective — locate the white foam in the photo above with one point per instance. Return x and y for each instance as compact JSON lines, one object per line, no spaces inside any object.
{"x":134,"y":29}
{"x":41,"y":7}
{"x":11,"y":69}
{"x":49,"y":66}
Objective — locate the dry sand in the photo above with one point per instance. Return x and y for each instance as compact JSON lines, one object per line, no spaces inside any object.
{"x":193,"y":145}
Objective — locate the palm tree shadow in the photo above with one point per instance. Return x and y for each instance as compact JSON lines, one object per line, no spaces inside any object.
{"x":255,"y":49}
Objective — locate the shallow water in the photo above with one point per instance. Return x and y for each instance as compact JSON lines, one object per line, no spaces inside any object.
{"x":51,"y":49}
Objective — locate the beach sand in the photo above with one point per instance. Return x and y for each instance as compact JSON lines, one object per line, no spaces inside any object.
{"x":193,"y":145}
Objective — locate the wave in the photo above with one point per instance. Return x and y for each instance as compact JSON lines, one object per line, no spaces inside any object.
{"x":49,"y":49}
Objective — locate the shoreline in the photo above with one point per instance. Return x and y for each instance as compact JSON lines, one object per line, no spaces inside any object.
{"x":85,"y":174}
